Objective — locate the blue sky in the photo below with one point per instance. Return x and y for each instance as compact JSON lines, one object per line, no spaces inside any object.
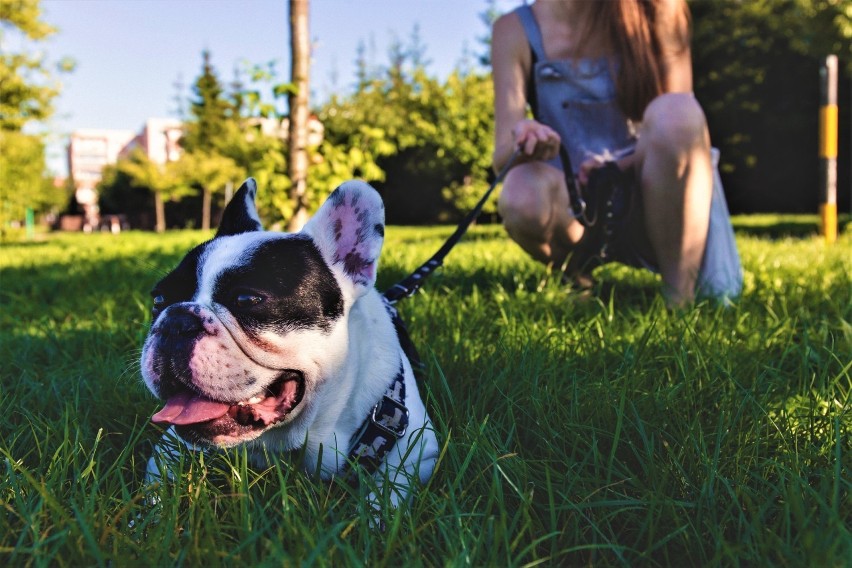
{"x":130,"y":53}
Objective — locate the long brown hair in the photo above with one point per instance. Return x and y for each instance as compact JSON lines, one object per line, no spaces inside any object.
{"x":634,"y":32}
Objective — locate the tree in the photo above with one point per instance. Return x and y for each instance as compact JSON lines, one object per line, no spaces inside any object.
{"x":27,"y":90}
{"x":161,"y":180}
{"x":117,"y":194}
{"x":756,"y":74}
{"x":299,"y":113}
{"x":212,"y":172}
{"x":210,"y":111}
{"x":212,"y":130}
{"x":23,"y":184}
{"x":27,"y":87}
{"x":431,"y":139}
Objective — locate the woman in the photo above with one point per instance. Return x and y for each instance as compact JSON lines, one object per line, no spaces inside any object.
{"x":611,"y":80}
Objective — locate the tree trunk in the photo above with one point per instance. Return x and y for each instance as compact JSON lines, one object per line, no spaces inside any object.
{"x":205,"y":208}
{"x":298,"y":102}
{"x":159,"y":212}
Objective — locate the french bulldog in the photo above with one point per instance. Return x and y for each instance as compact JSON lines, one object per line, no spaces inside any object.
{"x":281,"y":342}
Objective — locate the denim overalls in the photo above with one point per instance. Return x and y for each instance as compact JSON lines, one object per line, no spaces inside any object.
{"x":578,"y":100}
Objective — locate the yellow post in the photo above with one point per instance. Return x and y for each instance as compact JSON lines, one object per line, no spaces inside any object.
{"x":828,"y":149}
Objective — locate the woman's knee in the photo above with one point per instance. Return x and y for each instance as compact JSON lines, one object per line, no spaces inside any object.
{"x":526,"y":199}
{"x":675,"y":121}
{"x":518,"y":210}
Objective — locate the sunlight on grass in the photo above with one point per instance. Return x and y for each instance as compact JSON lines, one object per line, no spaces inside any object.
{"x":600,"y":430}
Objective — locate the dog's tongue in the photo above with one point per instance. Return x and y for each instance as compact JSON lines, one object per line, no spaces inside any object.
{"x":188,"y":408}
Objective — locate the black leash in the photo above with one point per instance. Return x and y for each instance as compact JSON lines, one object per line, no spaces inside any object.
{"x":578,"y":204}
{"x":410,"y":284}
{"x":608,"y":201}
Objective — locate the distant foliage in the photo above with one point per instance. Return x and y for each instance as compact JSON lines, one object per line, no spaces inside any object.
{"x":426,"y":143}
{"x":28,"y":87}
{"x":757,"y":77}
{"x":432,"y":139}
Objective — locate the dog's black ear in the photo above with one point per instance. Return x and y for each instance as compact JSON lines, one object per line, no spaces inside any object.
{"x":240,"y":215}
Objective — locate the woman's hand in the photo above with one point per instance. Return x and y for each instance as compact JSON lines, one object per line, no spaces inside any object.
{"x":624,"y":164}
{"x":536,"y":141}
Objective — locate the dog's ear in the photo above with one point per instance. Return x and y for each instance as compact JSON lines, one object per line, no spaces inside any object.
{"x":349,"y":230}
{"x":240,"y":216}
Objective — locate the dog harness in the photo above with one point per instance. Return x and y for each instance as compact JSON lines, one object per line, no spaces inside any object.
{"x":386,"y":423}
{"x":388,"y":419}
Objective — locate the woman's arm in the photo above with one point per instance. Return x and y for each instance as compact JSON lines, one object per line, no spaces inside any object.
{"x":511,"y":62}
{"x":673,"y":31}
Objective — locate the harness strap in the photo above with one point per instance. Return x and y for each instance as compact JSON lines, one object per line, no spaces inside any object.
{"x":405,"y":341}
{"x":383,"y":427}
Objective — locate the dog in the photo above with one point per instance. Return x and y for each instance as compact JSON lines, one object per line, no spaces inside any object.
{"x":281,"y":342}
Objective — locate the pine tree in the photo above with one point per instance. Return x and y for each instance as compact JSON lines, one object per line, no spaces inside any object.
{"x":210,"y":111}
{"x":214,"y":121}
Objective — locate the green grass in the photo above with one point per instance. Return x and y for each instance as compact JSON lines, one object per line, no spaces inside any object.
{"x":605,"y":431}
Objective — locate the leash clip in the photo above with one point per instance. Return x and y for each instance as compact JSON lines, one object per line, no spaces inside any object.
{"x":580,"y":214}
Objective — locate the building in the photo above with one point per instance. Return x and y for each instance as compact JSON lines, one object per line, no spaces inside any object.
{"x":89,"y":150}
{"x":159,"y":140}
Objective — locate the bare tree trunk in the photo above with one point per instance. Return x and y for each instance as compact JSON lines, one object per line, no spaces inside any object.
{"x":298,"y":102}
{"x":159,"y":212}
{"x":205,"y":208}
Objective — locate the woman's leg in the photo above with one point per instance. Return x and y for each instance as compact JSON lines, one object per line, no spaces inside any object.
{"x":675,"y":173}
{"x":536,"y":214}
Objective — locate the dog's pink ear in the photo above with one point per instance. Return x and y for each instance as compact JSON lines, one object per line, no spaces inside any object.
{"x":349,"y":230}
{"x":240,"y":216}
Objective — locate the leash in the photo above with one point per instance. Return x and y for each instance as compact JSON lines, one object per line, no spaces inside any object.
{"x":578,"y":204}
{"x":410,"y":284}
{"x":609,"y":199}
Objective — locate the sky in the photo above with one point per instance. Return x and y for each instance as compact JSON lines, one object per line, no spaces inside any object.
{"x":129,"y":54}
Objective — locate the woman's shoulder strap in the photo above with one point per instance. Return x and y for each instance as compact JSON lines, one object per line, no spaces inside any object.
{"x":532,"y":30}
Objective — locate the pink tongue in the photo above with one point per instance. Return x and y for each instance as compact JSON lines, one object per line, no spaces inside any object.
{"x":188,"y":408}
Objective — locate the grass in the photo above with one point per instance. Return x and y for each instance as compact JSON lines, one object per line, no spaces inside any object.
{"x":605,"y":431}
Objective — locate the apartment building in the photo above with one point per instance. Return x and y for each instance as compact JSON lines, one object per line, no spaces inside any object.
{"x":90,"y":149}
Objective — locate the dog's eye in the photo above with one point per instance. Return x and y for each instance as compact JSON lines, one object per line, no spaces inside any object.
{"x":158,"y":304}
{"x":247,"y":300}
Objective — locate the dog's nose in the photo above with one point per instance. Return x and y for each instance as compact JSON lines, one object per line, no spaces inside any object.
{"x":181,"y":324}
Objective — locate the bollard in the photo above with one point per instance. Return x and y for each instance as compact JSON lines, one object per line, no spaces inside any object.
{"x":828,"y":149}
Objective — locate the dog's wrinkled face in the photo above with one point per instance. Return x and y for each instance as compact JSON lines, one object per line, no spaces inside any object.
{"x":249,"y":324}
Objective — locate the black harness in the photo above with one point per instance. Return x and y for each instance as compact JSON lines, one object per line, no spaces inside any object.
{"x":387,"y":423}
{"x":388,"y":419}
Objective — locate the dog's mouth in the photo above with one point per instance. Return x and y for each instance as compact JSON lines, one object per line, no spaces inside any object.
{"x":204,"y":420}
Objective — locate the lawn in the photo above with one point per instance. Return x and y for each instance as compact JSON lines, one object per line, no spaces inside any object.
{"x":574,"y":430}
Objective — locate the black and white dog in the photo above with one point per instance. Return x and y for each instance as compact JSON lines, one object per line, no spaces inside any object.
{"x":280,"y":341}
